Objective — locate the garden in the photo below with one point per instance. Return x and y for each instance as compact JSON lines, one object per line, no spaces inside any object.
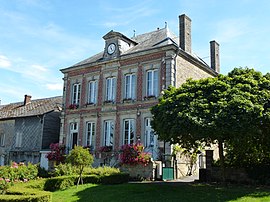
{"x":21,"y":182}
{"x":73,"y":179}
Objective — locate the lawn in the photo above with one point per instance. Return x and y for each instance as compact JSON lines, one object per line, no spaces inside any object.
{"x":161,"y":192}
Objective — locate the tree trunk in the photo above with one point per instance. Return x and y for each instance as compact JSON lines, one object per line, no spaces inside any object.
{"x":221,"y":158}
{"x":80,"y":177}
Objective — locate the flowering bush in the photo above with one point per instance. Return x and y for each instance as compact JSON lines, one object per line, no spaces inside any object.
{"x":57,"y":153}
{"x":16,"y":173}
{"x":133,"y":155}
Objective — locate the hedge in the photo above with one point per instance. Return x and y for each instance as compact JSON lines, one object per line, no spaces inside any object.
{"x":63,"y":182}
{"x":29,"y":195}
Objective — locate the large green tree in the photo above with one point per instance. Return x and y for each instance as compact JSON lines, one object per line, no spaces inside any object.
{"x":229,"y":108}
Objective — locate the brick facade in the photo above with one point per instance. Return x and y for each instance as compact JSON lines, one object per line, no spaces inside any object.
{"x":172,"y":65}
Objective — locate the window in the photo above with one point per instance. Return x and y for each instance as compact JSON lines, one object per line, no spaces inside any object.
{"x":92,"y":96}
{"x":2,"y":139}
{"x":18,"y":142}
{"x":73,"y":135}
{"x":76,"y":93}
{"x":130,"y":86}
{"x":110,"y":89}
{"x":152,"y":83}
{"x":90,"y":134}
{"x":149,"y":138}
{"x":108,"y":133}
{"x":129,"y":134}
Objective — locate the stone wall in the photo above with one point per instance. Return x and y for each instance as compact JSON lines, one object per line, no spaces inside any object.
{"x":186,"y":70}
{"x":140,"y":171}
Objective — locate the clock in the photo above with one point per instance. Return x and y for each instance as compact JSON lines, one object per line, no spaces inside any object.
{"x":111,"y":48}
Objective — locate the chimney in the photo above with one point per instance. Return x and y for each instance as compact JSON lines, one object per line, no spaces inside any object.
{"x":214,"y":55}
{"x":185,"y":33}
{"x":27,"y":99}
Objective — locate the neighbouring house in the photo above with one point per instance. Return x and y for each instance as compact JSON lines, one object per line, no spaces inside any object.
{"x":107,"y":96}
{"x":27,"y":128}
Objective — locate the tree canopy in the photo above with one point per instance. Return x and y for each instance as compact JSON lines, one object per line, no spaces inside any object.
{"x":227,"y":108}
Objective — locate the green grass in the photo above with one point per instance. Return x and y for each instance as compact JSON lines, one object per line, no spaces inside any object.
{"x":161,"y":192}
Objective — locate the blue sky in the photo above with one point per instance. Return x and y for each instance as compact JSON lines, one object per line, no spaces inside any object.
{"x":39,"y":37}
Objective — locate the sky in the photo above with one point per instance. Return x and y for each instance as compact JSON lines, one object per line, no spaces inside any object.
{"x":40,"y":37}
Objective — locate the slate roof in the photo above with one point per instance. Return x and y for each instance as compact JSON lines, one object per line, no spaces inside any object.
{"x":158,"y":38}
{"x":34,"y":108}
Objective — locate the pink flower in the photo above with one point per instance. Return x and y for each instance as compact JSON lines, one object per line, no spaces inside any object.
{"x":7,"y":180}
{"x":14,"y":165}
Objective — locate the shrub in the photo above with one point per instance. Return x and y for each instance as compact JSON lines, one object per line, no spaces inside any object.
{"x":117,"y":178}
{"x":63,"y":182}
{"x":21,"y":194}
{"x":133,"y":154}
{"x":65,"y":169}
{"x":80,"y":158}
{"x":57,"y":153}
{"x":42,"y":172}
{"x":106,"y":170}
{"x":16,"y":173}
{"x":59,"y":183}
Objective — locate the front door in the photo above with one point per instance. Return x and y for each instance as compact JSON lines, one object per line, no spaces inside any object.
{"x":74,"y":139}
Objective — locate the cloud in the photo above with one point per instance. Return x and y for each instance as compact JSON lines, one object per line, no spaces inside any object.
{"x":125,"y":15}
{"x":54,"y":86}
{"x":4,"y":62}
{"x":231,"y":29}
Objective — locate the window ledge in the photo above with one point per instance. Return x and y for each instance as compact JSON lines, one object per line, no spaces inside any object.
{"x":128,"y":100}
{"x":150,"y":97}
{"x":108,"y":102}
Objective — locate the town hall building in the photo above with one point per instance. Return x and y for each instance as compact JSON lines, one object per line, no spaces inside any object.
{"x":107,"y":97}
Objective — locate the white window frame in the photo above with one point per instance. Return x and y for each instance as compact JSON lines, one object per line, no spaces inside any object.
{"x":130,"y":86}
{"x":92,"y":92}
{"x":110,"y":89}
{"x":152,"y":83}
{"x":72,"y":130}
{"x":2,"y":139}
{"x":76,"y":93}
{"x":129,"y":128}
{"x":90,"y":134}
{"x":149,"y":137}
{"x":18,"y":141}
{"x":108,"y":133}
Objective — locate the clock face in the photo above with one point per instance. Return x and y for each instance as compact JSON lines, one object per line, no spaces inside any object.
{"x":111,"y":48}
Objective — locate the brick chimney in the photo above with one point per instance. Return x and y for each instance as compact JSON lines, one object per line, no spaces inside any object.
{"x":214,"y":55}
{"x":185,"y":33}
{"x":27,"y":99}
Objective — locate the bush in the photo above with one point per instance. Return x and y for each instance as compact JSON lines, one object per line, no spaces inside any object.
{"x":42,"y":172}
{"x":106,"y":170}
{"x":117,"y":178}
{"x":16,"y":173}
{"x":57,"y":153}
{"x":132,"y":154}
{"x":64,"y":169}
{"x":64,"y":182}
{"x":59,"y":183}
{"x":20,"y":194}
